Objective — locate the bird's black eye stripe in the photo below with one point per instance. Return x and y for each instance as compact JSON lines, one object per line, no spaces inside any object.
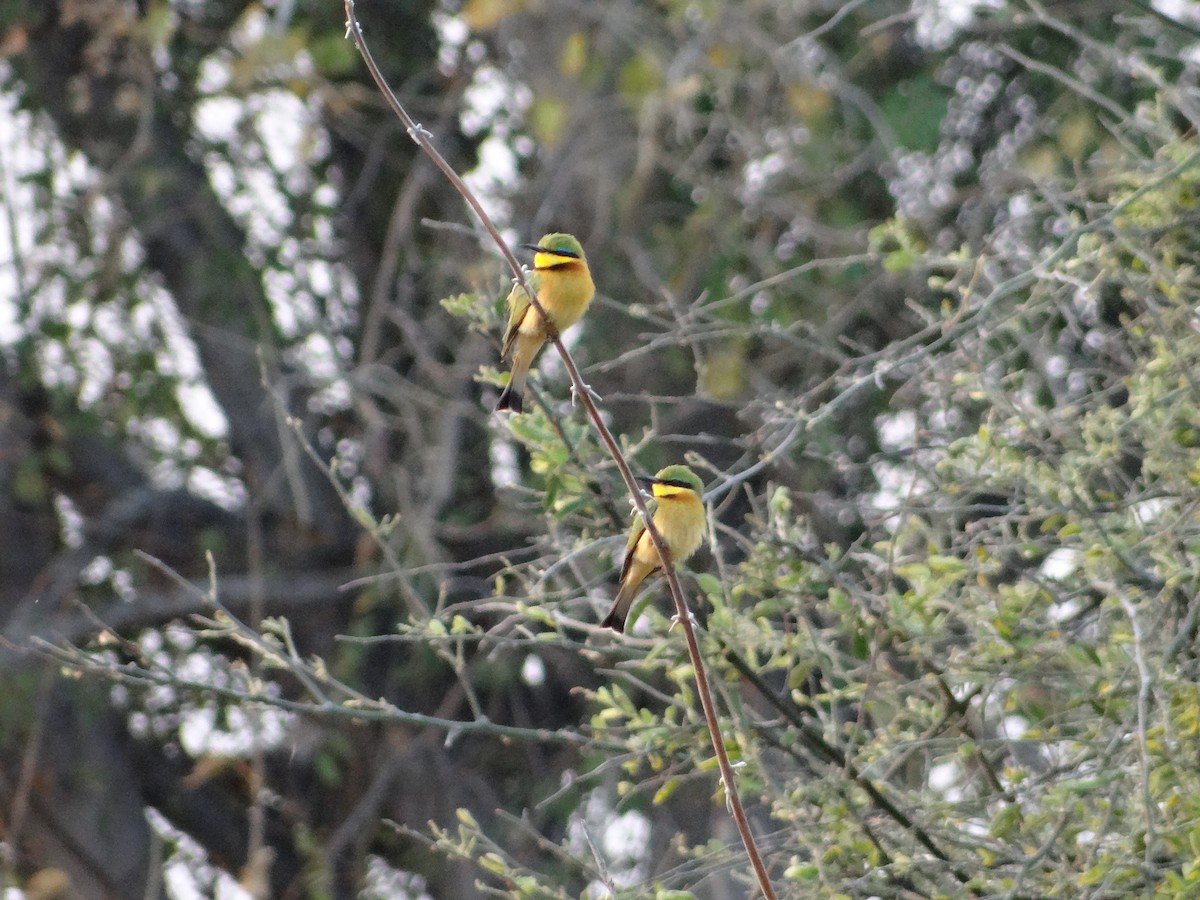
{"x":649,"y":481}
{"x":569,"y":254}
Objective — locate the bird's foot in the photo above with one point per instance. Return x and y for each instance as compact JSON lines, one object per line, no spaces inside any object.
{"x":675,"y":621}
{"x":587,"y":387}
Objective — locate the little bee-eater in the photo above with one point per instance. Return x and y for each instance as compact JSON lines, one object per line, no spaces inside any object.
{"x":678,"y":516}
{"x":564,"y":287}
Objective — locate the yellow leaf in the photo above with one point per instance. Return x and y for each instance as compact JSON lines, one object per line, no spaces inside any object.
{"x":549,"y":117}
{"x":574,"y":55}
{"x":808,"y":100}
{"x":664,"y":793}
{"x":482,"y":15}
{"x":1076,"y":134}
{"x":723,"y":374}
{"x":640,"y":77}
{"x":46,"y":884}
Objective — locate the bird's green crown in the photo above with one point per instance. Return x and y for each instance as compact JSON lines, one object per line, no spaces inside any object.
{"x":681,"y":476}
{"x":560,"y":244}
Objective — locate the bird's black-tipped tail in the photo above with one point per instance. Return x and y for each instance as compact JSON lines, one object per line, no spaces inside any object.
{"x":510,"y":399}
{"x":614,"y":621}
{"x":621,"y":604}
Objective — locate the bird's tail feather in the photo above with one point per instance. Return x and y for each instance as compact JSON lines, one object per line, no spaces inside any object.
{"x":510,"y":399}
{"x":621,"y":605}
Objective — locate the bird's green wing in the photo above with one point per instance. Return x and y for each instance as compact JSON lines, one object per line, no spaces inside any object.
{"x":636,"y":529}
{"x":518,"y":305}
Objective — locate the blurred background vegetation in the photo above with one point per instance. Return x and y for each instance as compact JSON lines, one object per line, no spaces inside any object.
{"x":911,"y":285}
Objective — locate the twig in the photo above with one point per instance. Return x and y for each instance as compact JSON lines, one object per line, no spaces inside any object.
{"x":1145,"y":685}
{"x":29,"y":759}
{"x":357,"y":709}
{"x":422,"y":138}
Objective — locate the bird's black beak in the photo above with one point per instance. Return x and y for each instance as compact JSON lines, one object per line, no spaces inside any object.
{"x":645,"y":480}
{"x":534,"y":247}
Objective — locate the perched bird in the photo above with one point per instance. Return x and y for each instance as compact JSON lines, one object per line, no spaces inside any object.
{"x":678,"y":515}
{"x":564,"y":287}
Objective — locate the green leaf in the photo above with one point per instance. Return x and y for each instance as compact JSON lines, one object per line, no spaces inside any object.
{"x":664,"y":793}
{"x":915,"y":108}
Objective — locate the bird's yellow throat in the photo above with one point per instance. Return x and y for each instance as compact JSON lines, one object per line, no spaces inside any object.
{"x":669,"y":491}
